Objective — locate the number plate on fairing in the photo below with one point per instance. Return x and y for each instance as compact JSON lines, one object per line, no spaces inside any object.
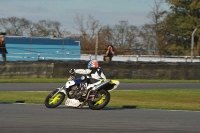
{"x":72,"y":102}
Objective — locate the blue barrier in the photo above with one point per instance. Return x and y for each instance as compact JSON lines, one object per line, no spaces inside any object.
{"x":41,"y":48}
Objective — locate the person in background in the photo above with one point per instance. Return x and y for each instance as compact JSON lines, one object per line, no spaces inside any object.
{"x":3,"y":50}
{"x":109,"y":52}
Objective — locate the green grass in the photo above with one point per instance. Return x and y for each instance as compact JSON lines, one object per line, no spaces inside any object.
{"x":158,"y":99}
{"x":149,"y":99}
{"x":63,"y":80}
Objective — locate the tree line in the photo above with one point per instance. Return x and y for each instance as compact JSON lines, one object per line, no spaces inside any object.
{"x":168,"y":32}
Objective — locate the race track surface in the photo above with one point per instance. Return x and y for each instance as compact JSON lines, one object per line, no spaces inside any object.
{"x":33,"y":118}
{"x":30,"y":118}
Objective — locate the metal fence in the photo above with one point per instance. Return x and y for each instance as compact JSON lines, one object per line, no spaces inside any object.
{"x":143,"y":58}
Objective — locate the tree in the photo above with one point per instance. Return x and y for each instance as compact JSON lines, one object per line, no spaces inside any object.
{"x":156,"y":31}
{"x":105,"y":38}
{"x":88,"y":32}
{"x":125,"y":37}
{"x":15,"y":26}
{"x":148,"y":39}
{"x":122,"y":36}
{"x":185,"y":15}
{"x":45,"y":28}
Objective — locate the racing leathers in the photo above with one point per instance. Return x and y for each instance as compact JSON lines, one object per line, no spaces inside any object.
{"x":94,"y":75}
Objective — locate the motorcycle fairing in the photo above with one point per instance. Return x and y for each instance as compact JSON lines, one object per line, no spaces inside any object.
{"x":92,"y":85}
{"x":62,"y":90}
{"x":73,"y":102}
{"x":73,"y":82}
{"x":70,"y":83}
{"x":116,"y":82}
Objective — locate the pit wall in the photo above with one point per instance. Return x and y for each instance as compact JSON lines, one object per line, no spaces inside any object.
{"x":113,"y":70}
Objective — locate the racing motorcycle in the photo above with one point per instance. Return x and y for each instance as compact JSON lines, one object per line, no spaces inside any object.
{"x":97,"y":94}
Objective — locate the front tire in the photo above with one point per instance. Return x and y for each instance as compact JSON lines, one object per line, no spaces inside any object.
{"x":102,"y":102}
{"x":53,"y":102}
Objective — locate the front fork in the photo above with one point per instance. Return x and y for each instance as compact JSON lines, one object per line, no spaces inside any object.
{"x":62,"y":89}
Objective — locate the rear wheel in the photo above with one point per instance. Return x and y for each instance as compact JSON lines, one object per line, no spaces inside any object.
{"x":102,"y":102}
{"x":53,"y":102}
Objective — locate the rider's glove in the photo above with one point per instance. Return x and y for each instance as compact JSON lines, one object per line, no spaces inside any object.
{"x":71,"y":71}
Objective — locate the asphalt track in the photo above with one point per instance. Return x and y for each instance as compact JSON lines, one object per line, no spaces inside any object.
{"x":33,"y":118}
{"x":28,"y":118}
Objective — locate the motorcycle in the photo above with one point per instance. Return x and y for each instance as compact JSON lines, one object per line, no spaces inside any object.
{"x":96,"y":97}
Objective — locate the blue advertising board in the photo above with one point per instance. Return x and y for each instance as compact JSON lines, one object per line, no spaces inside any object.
{"x":41,"y":48}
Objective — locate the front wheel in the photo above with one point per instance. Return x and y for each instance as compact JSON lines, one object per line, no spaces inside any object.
{"x":102,"y":102}
{"x":53,"y":102}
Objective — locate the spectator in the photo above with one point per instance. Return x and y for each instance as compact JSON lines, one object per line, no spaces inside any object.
{"x":109,"y":53}
{"x":3,"y":50}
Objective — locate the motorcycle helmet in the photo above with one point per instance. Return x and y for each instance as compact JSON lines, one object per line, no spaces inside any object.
{"x":93,"y":64}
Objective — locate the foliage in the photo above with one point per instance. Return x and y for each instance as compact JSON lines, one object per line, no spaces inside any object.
{"x":153,"y":34}
{"x":175,"y":50}
{"x":122,"y":36}
{"x":15,"y":26}
{"x":182,"y":20}
{"x":45,"y":28}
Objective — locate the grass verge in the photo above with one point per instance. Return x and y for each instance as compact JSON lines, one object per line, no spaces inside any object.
{"x":150,"y":99}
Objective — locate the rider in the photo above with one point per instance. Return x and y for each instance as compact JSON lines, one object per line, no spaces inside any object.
{"x":94,"y":73}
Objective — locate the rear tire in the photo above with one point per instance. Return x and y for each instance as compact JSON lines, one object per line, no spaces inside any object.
{"x":55,"y":101}
{"x":102,"y":102}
